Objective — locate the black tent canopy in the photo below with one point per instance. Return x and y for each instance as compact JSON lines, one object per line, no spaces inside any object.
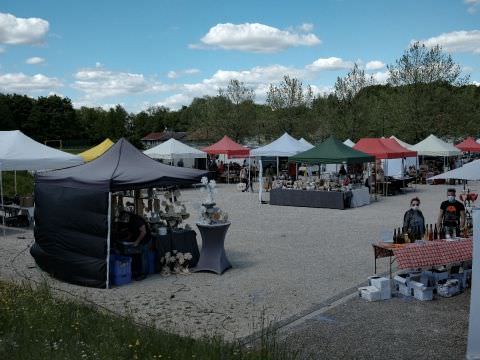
{"x":73,"y":207}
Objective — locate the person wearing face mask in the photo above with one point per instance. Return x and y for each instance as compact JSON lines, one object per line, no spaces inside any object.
{"x":414,"y":221}
{"x":452,"y":215}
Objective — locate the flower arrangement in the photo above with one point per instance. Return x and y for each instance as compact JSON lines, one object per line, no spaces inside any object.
{"x":175,"y":262}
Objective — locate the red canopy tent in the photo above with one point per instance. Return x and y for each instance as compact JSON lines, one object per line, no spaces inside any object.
{"x":469,"y":144}
{"x":228,"y":147}
{"x":395,"y":145}
{"x":383,"y":148}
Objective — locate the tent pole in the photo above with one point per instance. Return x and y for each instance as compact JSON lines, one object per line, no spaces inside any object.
{"x":3,"y":204}
{"x":260,"y":180}
{"x":109,"y":217}
{"x":15,"y":180}
{"x":249,"y":170}
{"x":278,"y":173}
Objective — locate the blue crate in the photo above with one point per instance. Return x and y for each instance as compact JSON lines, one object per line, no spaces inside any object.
{"x":152,"y":262}
{"x":120,"y":266}
{"x":119,"y":280}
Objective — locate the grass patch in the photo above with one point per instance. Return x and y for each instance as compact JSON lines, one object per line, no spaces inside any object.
{"x":24,"y":183}
{"x":36,"y":325}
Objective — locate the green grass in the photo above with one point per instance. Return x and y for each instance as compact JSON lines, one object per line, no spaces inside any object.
{"x":36,"y":325}
{"x":24,"y":183}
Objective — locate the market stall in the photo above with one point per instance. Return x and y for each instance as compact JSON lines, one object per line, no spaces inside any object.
{"x":336,"y":191}
{"x":429,"y":151}
{"x":174,"y":151}
{"x":469,"y":145}
{"x":19,"y":152}
{"x":230,"y":149}
{"x":76,"y":207}
{"x":386,"y":149}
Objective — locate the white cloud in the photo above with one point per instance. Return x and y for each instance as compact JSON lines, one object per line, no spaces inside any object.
{"x":331,"y":63}
{"x":102,"y":83}
{"x":172,"y":74}
{"x":2,"y":50}
{"x":380,"y":77}
{"x":476,"y":83}
{"x":19,"y":82}
{"x":457,"y":41}
{"x":34,"y":60}
{"x":374,"y":65}
{"x":254,"y":37}
{"x":176,"y":101}
{"x":306,"y":27}
{"x":16,"y":31}
{"x":472,"y":5}
{"x":98,"y":64}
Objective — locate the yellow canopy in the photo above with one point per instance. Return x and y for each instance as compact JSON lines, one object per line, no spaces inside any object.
{"x":96,"y":151}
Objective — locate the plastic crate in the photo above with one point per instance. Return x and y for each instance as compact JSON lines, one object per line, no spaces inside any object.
{"x":120,"y":270}
{"x":152,"y":262}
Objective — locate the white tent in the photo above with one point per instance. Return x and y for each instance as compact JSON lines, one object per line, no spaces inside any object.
{"x":470,"y":171}
{"x":174,"y":149}
{"x":403,"y":143}
{"x":433,"y":146}
{"x":19,"y":152}
{"x":349,"y":142}
{"x":284,"y":146}
{"x":305,"y":142}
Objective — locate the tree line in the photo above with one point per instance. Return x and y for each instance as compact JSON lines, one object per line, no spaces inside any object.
{"x":425,"y":93}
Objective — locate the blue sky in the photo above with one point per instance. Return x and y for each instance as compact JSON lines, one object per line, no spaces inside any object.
{"x":143,"y":53}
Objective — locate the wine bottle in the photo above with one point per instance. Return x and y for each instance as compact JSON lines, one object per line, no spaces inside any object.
{"x":435,"y":233}
{"x":425,"y":234}
{"x":430,"y":233}
{"x":394,"y":236}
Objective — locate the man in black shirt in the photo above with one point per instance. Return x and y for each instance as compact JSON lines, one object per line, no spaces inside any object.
{"x":452,"y":215}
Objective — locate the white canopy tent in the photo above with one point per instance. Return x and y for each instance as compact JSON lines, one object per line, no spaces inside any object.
{"x":433,"y":146}
{"x":303,"y":141}
{"x":349,"y":142}
{"x":403,"y":143}
{"x":19,"y":152}
{"x":470,"y":171}
{"x":284,"y":146}
{"x":174,"y":150}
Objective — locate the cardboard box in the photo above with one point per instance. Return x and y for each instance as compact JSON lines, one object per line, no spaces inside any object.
{"x":448,"y":288}
{"x":421,"y":292}
{"x":383,"y":284}
{"x":370,"y":293}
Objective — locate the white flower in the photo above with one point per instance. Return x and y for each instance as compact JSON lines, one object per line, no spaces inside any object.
{"x":175,"y":251}
{"x":204,"y":180}
{"x":213,"y":183}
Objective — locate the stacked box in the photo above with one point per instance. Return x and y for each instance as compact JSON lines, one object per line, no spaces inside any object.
{"x":401,"y":284}
{"x":370,"y":293}
{"x":420,"y":291}
{"x":448,"y":288}
{"x":383,"y":284}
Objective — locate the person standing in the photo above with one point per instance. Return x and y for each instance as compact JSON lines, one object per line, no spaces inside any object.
{"x":452,"y":215}
{"x":414,"y":221}
{"x":268,"y":177}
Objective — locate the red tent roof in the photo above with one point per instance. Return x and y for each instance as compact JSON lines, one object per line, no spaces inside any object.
{"x":469,"y":144}
{"x":383,"y":148}
{"x":394,"y":144}
{"x":227,"y":146}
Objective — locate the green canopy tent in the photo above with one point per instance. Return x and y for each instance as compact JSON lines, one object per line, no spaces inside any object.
{"x":332,"y":151}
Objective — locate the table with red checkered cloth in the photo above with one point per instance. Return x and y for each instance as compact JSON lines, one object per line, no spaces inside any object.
{"x":434,"y":253}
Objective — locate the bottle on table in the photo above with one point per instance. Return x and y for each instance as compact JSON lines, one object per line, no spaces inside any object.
{"x":425,"y":234}
{"x":394,"y":236}
{"x":430,"y":233}
{"x":435,"y":233}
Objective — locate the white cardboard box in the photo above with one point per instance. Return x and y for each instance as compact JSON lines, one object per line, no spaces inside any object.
{"x":370,"y":293}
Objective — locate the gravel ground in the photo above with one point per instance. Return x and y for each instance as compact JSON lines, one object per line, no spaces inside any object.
{"x":400,"y":328}
{"x":286,"y":261}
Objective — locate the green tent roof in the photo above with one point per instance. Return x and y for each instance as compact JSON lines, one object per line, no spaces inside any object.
{"x":332,"y":151}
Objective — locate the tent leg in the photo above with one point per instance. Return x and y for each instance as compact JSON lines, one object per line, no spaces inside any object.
{"x":260,"y":180}
{"x":278,"y":173}
{"x":249,"y":176}
{"x":3,"y":205}
{"x":15,"y":181}
{"x":109,"y":217}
